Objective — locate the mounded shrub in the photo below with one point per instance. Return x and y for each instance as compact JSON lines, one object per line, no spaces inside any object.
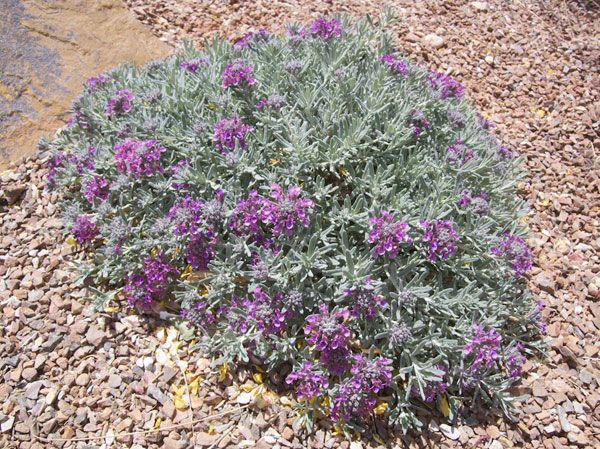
{"x":312,"y":200}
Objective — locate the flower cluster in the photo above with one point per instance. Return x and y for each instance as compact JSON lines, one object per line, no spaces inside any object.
{"x":441,"y":238}
{"x":145,"y":289}
{"x":267,"y":313}
{"x":310,"y":382}
{"x":95,"y":82}
{"x":387,"y":234}
{"x":139,"y":157}
{"x":326,"y":29}
{"x":485,"y":347}
{"x":229,"y":133}
{"x":95,"y":188}
{"x":260,"y":35}
{"x":364,"y":301}
{"x":238,"y":74}
{"x":357,"y":396}
{"x":515,"y":252}
{"x":84,"y":229}
{"x":458,"y":154}
{"x":419,"y":123}
{"x":193,"y":65}
{"x":120,"y":103}
{"x":446,"y":86}
{"x":435,"y":389}
{"x":286,"y":210}
{"x":274,"y":101}
{"x":479,"y":203}
{"x":394,"y":64}
{"x":515,"y":360}
{"x":198,"y":315}
{"x":329,"y":333}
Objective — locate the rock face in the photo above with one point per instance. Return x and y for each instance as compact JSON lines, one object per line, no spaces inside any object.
{"x":52,"y":48}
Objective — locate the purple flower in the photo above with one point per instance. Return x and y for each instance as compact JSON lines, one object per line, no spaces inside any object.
{"x":193,"y":65}
{"x":394,"y":64}
{"x":145,"y":289}
{"x":483,"y":122}
{"x":95,"y":82}
{"x":230,"y":132}
{"x":446,"y":86}
{"x":285,"y":211}
{"x":538,"y":317}
{"x":434,"y":389}
{"x":238,"y":74}
{"x":504,"y":154}
{"x":139,"y":157}
{"x":330,"y":335}
{"x":294,"y":66}
{"x":296,"y":34}
{"x":441,"y":237}
{"x":458,"y":154}
{"x":357,"y":395}
{"x":197,"y":220}
{"x":243,"y":42}
{"x":55,"y":162}
{"x":515,"y":360}
{"x":245,"y":218}
{"x":375,"y":375}
{"x":198,"y":315}
{"x":187,"y":215}
{"x":310,"y":381}
{"x":273,"y":101}
{"x":364,"y":301}
{"x":326,"y":29}
{"x":515,"y":252}
{"x":266,"y":312}
{"x":95,"y":188}
{"x":387,"y":234}
{"x":478,"y":204}
{"x":419,"y":123}
{"x":84,"y":229}
{"x":484,"y":346}
{"x":120,"y":103}
{"x":456,"y":119}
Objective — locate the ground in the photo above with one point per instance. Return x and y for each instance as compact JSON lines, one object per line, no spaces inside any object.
{"x":532,"y":67}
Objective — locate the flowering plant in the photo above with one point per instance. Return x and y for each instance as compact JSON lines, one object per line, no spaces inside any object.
{"x":315,"y":200}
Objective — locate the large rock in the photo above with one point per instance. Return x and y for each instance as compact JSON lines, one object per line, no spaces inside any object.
{"x":50,"y":49}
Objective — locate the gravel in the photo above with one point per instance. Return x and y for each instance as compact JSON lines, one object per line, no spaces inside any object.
{"x":531,"y":67}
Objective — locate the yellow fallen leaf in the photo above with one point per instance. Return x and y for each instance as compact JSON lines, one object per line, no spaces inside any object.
{"x":342,"y":171}
{"x":258,"y":378}
{"x":178,"y":400}
{"x":325,"y":401}
{"x":223,"y":369}
{"x":274,"y":161}
{"x":381,"y":408}
{"x":568,"y":173}
{"x":211,"y":430}
{"x":154,"y":252}
{"x":157,"y":423}
{"x":444,"y":407}
{"x":186,"y":272}
{"x":195,"y":386}
{"x":212,"y":105}
{"x":246,"y":388}
{"x":71,"y":241}
{"x":545,"y":202}
{"x":541,"y":113}
{"x":111,"y":309}
{"x":179,"y":403}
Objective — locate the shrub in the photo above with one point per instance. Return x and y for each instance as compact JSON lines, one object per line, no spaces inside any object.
{"x":315,"y":200}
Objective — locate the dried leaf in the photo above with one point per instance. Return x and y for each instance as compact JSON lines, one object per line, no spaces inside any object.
{"x":444,"y":407}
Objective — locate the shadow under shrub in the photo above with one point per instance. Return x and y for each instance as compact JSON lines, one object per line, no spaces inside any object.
{"x":314,"y":200}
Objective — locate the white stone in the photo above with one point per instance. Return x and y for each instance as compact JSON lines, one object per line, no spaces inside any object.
{"x":433,"y":40}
